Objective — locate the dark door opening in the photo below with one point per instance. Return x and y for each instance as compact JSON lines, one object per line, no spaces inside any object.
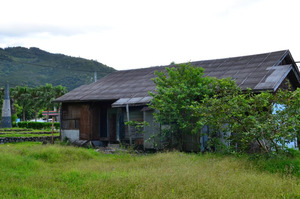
{"x":113,"y":127}
{"x":103,"y":123}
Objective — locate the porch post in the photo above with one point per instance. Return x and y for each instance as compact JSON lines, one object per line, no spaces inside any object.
{"x":128,"y":119}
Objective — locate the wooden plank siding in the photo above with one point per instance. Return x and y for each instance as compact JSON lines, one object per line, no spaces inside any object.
{"x":85,"y":122}
{"x":70,"y":116}
{"x":82,"y":116}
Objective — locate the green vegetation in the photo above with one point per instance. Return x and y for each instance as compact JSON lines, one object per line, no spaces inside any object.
{"x":287,"y":165}
{"x":51,"y":171}
{"x":26,"y":132}
{"x":139,"y":126}
{"x":24,"y":67}
{"x":177,"y":89}
{"x":14,"y":129}
{"x":37,"y":125}
{"x":27,"y":102}
{"x":186,"y":102}
{"x":263,"y":122}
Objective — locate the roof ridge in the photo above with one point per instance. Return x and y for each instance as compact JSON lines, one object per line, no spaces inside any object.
{"x":250,"y":71}
{"x":224,"y":58}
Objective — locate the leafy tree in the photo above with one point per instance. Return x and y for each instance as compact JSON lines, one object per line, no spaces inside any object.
{"x":23,"y":97}
{"x":186,"y":101}
{"x":139,"y":126}
{"x":48,"y":97}
{"x":32,"y":100}
{"x":59,"y":91}
{"x":254,"y":121}
{"x":177,"y":90}
{"x":37,"y":101}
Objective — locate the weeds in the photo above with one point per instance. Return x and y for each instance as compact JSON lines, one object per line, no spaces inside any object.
{"x":55,"y":171}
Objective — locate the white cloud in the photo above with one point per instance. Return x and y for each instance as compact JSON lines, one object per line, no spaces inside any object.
{"x":136,"y":33}
{"x":31,"y":30}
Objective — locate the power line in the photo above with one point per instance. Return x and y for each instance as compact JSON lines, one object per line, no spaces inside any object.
{"x":47,"y":66}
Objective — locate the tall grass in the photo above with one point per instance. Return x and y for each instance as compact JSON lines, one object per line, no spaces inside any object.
{"x":26,"y":135}
{"x":17,"y":132}
{"x":37,"y":171}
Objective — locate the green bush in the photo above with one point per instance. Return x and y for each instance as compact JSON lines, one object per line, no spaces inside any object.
{"x":36,"y":125}
{"x":286,"y":163}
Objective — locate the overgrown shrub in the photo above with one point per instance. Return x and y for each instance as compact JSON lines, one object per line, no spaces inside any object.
{"x":187,"y":101}
{"x":36,"y":125}
{"x":287,"y":163}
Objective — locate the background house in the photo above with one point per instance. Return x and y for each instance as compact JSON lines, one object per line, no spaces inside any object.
{"x":98,"y":111}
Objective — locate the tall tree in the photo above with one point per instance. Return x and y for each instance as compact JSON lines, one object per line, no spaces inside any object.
{"x":177,"y":89}
{"x":37,"y":100}
{"x":23,"y":97}
{"x":48,"y":97}
{"x":59,"y":91}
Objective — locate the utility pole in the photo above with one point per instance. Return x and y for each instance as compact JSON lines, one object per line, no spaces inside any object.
{"x":6,"y":111}
{"x":129,"y":129}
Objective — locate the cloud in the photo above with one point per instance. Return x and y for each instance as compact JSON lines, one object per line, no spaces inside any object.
{"x":134,"y":33}
{"x":28,"y":29}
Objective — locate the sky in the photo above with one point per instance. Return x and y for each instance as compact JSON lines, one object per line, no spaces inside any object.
{"x":138,"y":33}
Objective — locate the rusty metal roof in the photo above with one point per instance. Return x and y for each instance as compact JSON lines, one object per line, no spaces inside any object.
{"x":258,"y":72}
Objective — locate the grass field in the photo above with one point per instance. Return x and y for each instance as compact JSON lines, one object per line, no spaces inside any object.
{"x":18,"y":132}
{"x":32,"y":170}
{"x":27,"y":135}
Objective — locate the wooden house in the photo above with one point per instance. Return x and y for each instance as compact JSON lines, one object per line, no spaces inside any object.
{"x":98,"y":111}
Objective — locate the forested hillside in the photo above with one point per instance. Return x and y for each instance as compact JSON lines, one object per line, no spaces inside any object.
{"x":34,"y":67}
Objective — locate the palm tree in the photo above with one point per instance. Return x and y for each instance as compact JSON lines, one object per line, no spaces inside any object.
{"x":59,"y":91}
{"x":47,"y":97}
{"x":23,"y":97}
{"x":37,"y":100}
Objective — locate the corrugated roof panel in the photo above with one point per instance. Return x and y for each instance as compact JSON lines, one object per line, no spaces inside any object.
{"x":241,"y":75}
{"x":246,"y":86}
{"x":230,"y":72}
{"x":246,"y":70}
{"x":135,"y":101}
{"x":254,"y":71}
{"x":216,"y":73}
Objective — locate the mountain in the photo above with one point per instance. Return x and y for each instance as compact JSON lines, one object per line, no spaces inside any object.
{"x":34,"y":67}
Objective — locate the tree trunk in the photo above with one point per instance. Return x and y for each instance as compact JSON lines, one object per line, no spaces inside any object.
{"x":263,"y":146}
{"x":24,"y":114}
{"x":35,"y":115}
{"x":47,"y":115}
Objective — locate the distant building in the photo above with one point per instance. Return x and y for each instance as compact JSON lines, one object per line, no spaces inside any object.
{"x":52,"y":114}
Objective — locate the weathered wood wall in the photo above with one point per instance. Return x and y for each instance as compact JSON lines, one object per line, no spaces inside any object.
{"x":70,"y":116}
{"x":82,"y":116}
{"x":85,"y":122}
{"x":98,"y":121}
{"x":135,"y":114}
